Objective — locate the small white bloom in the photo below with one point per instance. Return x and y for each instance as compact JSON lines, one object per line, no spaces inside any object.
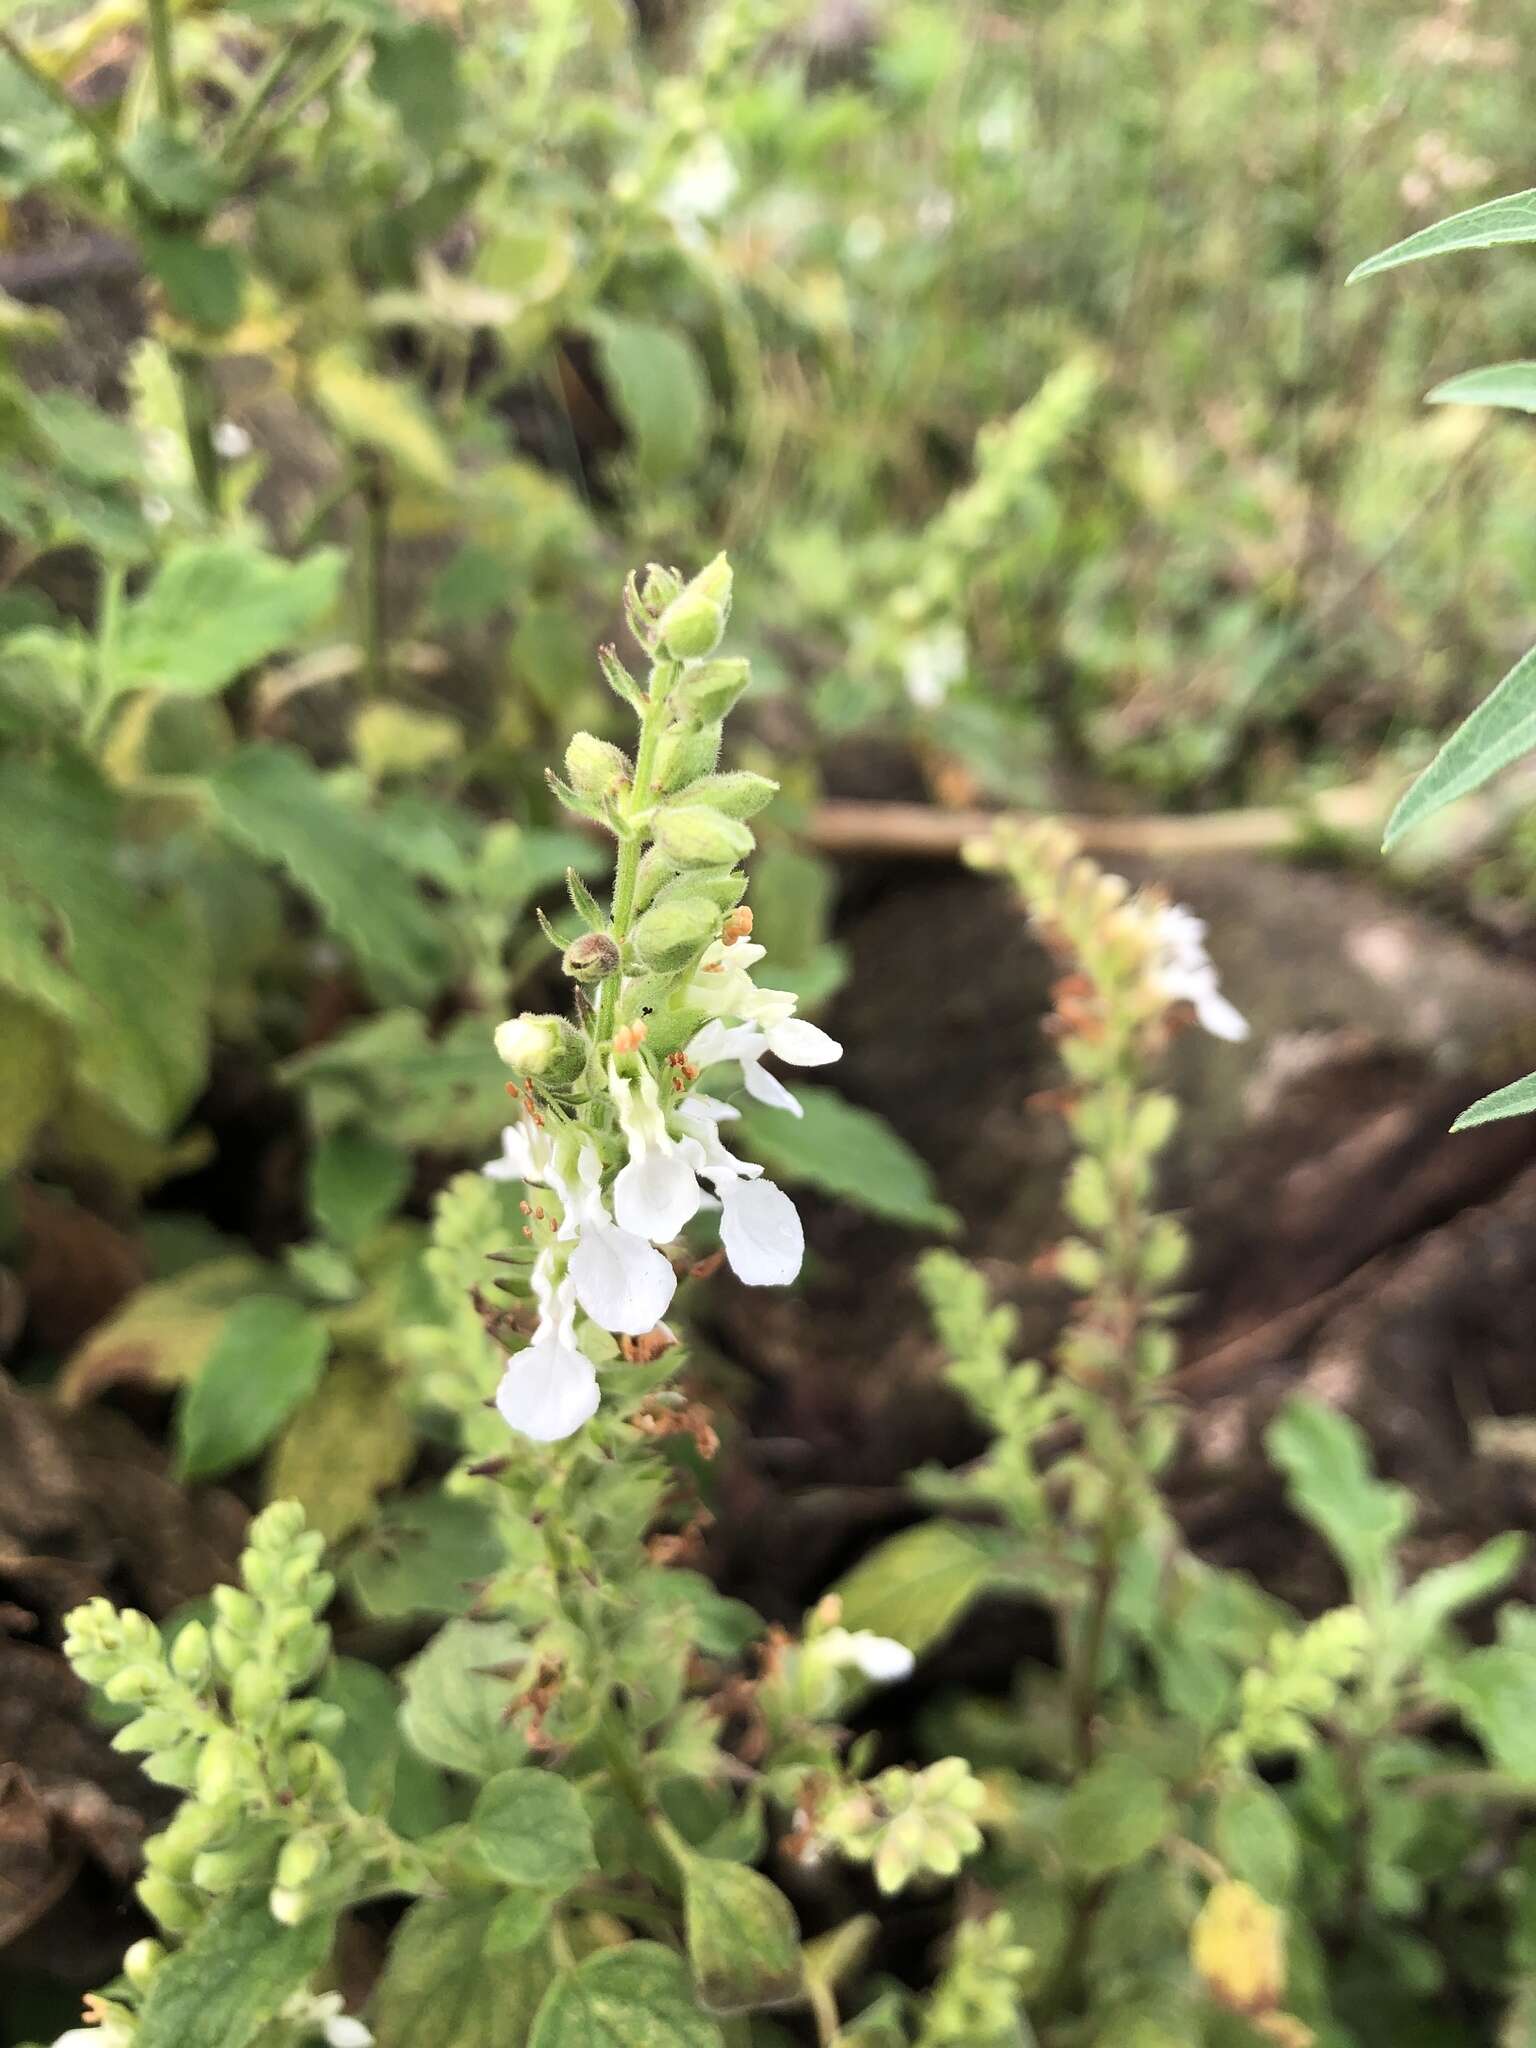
{"x":1000,"y":131}
{"x":703,"y":186}
{"x":549,"y":1389}
{"x":759,"y":1225}
{"x":794,"y":1040}
{"x":657,"y":1190}
{"x":880,"y":1659}
{"x":620,"y":1281}
{"x":109,"y":2035}
{"x":158,"y":512}
{"x":1184,"y":972}
{"x":231,"y":440}
{"x":526,"y":1154}
{"x":932,"y":664}
{"x":326,"y":2014}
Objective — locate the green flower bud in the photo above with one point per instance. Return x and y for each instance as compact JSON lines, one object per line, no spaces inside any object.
{"x":694,"y":836}
{"x":540,"y":1044}
{"x":672,"y":933}
{"x":221,"y":1870}
{"x":660,"y":587}
{"x":740,"y":794}
{"x":159,"y":1728}
{"x":684,"y":754}
{"x":221,"y":1767}
{"x":239,"y":1613}
{"x":301,"y":1859}
{"x":596,"y":768}
{"x":709,"y":692}
{"x":142,"y":1961}
{"x":592,"y":957}
{"x":256,"y":1689}
{"x":693,"y":622}
{"x":725,"y":887}
{"x":136,"y":1684}
{"x":176,"y":1766}
{"x":288,"y":1907}
{"x":177,"y":1909}
{"x":192,"y":1656}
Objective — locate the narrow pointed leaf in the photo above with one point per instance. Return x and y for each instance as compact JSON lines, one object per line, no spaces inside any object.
{"x":1499,"y":731}
{"x":1518,"y":1099}
{"x":1480,"y":227}
{"x":1506,"y":384}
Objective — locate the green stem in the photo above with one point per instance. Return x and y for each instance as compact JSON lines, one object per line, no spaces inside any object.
{"x":162,"y":57}
{"x":197,"y":410}
{"x":108,"y":614}
{"x":626,"y":872}
{"x":375,"y":557}
{"x":267,"y":84}
{"x":67,"y":105}
{"x":259,"y":133}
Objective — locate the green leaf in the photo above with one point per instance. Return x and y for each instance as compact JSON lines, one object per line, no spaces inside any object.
{"x":447,"y":1984}
{"x":1499,"y":731}
{"x":382,"y":1775}
{"x":1518,"y":1099}
{"x":637,"y":1996}
{"x":425,"y":1556}
{"x":204,"y":282}
{"x":370,"y":412}
{"x":356,"y":1181}
{"x":416,"y":70}
{"x":127,"y":971}
{"x":277,"y":803}
{"x":344,"y":1446}
{"x":233,"y":1974}
{"x":173,"y":169}
{"x":266,"y":1359}
{"x":456,"y":1697}
{"x":847,"y":1152}
{"x":658,"y":384}
{"x":84,"y":440}
{"x":1493,"y":1690}
{"x":1505,"y":384}
{"x":1255,"y":1837}
{"x":1480,"y":227}
{"x":217,"y":608}
{"x":1115,"y":1814}
{"x":1438,"y":1594}
{"x":532,"y":1829}
{"x":1323,"y":1455}
{"x":743,"y":1938}
{"x":916,"y":1586}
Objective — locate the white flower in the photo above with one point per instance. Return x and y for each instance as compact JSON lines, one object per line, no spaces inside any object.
{"x":549,"y":1389}
{"x":932,"y":664}
{"x":794,"y":1040}
{"x":703,"y":186}
{"x":1185,"y":974}
{"x":110,"y":2034}
{"x":325,"y":2014}
{"x":231,"y":440}
{"x":657,"y":1190}
{"x":526,"y":1154}
{"x":620,"y":1281}
{"x":880,"y":1659}
{"x":759,"y":1225}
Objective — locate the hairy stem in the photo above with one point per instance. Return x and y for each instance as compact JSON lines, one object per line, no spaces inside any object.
{"x":627,"y":869}
{"x":162,"y":58}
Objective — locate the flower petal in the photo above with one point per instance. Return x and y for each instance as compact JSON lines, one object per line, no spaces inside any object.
{"x":620,"y":1281}
{"x":548,"y":1391}
{"x":655,"y":1194}
{"x":803,"y":1044}
{"x":881,"y":1659}
{"x":1221,"y":1018}
{"x":767,"y":1089}
{"x":760,"y":1229}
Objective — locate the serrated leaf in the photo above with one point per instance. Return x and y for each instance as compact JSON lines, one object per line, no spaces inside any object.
{"x":426,"y":1556}
{"x":848,"y":1152}
{"x":356,"y":1181}
{"x":1498,"y":732}
{"x":128,"y":972}
{"x":370,"y":412}
{"x":232,"y":1975}
{"x":637,"y":1996}
{"x":659,"y":386}
{"x":447,"y":1985}
{"x":340,"y":1449}
{"x":1324,"y":1457}
{"x":1518,"y":1099}
{"x":267,"y":1357}
{"x":1480,"y":227}
{"x":217,"y":608}
{"x":531,"y":1829}
{"x":916,"y":1586}
{"x":743,"y":1938}
{"x":1502,"y":384}
{"x":277,"y":803}
{"x":1115,"y":1814}
{"x":456,"y":1697}
{"x":1493,"y":1689}
{"x":163,"y":1334}
{"x":203,"y":282}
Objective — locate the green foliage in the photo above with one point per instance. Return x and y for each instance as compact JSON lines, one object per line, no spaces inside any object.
{"x":232,"y":1976}
{"x":266,"y":1359}
{"x":846,"y":1151}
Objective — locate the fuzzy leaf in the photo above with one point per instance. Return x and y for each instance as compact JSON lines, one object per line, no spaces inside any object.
{"x":637,"y":1996}
{"x":1323,"y":1456}
{"x":845,"y":1151}
{"x":356,"y":1180}
{"x":277,"y":803}
{"x":416,"y":69}
{"x":1498,"y":732}
{"x":217,"y":608}
{"x":1503,"y":384}
{"x":532,"y":1829}
{"x":1115,"y":1814}
{"x":204,"y":282}
{"x":743,"y":1939}
{"x":341,"y":1448}
{"x":456,"y":1696}
{"x":916,"y":1586}
{"x":424,"y":1556}
{"x":447,"y":1985}
{"x":1256,"y":1838}
{"x":267,"y":1357}
{"x":163,"y":1334}
{"x":659,"y":386}
{"x":1518,"y":1099}
{"x":1480,"y":227}
{"x":233,"y":1974}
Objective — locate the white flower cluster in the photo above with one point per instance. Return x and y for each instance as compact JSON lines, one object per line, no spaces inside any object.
{"x":1185,"y":973}
{"x":602,"y":1258}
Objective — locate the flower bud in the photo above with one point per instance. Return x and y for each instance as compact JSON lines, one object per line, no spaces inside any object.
{"x":192,"y":1655}
{"x":301,"y":1859}
{"x":660,"y":587}
{"x":177,"y":1909}
{"x":684,"y":754}
{"x":592,"y":957}
{"x":693,"y":622}
{"x":220,"y":1766}
{"x":708,"y":693}
{"x":286,"y":1906}
{"x":740,"y":794}
{"x":542,"y":1045}
{"x":256,"y":1689}
{"x":596,"y":768}
{"x":221,"y":1870}
{"x":142,"y":1961}
{"x":135,"y":1684}
{"x":672,"y":933}
{"x":695,"y":836}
